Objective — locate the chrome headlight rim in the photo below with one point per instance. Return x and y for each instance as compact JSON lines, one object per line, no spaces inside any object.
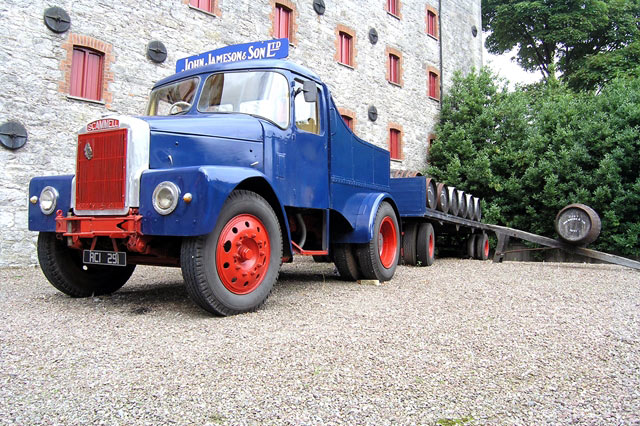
{"x":162,"y":190}
{"x":48,"y":195}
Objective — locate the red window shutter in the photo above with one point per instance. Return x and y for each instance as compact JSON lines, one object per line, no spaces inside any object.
{"x":431,"y":28}
{"x":345,"y":48}
{"x":392,"y":7}
{"x":433,"y":85}
{"x":77,"y":72}
{"x":348,"y":121}
{"x":394,"y":143}
{"x":394,"y":69}
{"x":283,"y":22}
{"x":202,"y":4}
{"x":86,"y":74}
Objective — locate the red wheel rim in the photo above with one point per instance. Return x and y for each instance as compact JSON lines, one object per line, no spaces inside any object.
{"x":242,"y":254}
{"x":431,"y":245}
{"x":387,"y":242}
{"x":486,"y":248}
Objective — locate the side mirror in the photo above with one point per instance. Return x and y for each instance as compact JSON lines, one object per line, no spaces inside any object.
{"x":310,"y":91}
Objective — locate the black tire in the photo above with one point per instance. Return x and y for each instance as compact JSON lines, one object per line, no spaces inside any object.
{"x":471,"y":246}
{"x":373,"y":264}
{"x":482,"y":247}
{"x":64,"y":269}
{"x":409,"y":244}
{"x":203,"y":257}
{"x":346,"y":262}
{"x":426,"y":244}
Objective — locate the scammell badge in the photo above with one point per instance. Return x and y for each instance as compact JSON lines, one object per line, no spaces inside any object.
{"x":88,"y":152}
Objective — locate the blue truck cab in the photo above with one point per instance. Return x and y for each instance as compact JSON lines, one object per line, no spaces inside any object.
{"x":236,"y":166}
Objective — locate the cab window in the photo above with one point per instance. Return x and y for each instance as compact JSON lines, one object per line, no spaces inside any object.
{"x":307,"y":115}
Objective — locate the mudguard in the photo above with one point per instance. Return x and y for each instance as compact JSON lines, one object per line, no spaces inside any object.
{"x":39,"y":221}
{"x":209,"y":186}
{"x":360,"y":211}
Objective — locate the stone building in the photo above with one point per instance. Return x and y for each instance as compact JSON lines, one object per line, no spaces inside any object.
{"x":395,"y":55}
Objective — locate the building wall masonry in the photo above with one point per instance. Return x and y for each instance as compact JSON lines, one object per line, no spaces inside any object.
{"x":35,"y":68}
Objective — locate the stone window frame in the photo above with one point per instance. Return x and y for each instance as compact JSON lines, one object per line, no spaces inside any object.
{"x":293,"y":23}
{"x":348,"y":113}
{"x":215,"y":8}
{"x":433,"y":70}
{"x":398,"y":13}
{"x":396,"y":127}
{"x":434,"y":11}
{"x":106,"y":49}
{"x":395,"y":52}
{"x":354,"y":51}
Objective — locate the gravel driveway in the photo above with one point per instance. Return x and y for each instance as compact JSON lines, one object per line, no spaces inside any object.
{"x":461,"y":341}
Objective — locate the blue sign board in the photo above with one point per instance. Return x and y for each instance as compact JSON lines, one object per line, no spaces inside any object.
{"x":272,"y":49}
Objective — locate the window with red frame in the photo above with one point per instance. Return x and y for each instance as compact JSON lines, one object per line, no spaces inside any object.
{"x":86,"y":73}
{"x":346,"y":49}
{"x":433,"y":85}
{"x":348,"y":121}
{"x":282,"y":24}
{"x":394,"y":69}
{"x":395,"y":147}
{"x":206,"y":5}
{"x":392,"y":7}
{"x":432,"y":24}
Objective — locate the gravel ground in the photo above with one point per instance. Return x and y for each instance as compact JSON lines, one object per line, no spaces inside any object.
{"x":461,"y":341}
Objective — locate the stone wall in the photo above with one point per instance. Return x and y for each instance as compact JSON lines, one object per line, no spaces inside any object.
{"x":35,"y":68}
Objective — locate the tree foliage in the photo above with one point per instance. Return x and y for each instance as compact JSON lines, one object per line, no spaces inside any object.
{"x":572,"y":36}
{"x":530,"y":152}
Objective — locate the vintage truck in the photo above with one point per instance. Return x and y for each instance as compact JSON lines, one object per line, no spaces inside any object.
{"x":236,"y":166}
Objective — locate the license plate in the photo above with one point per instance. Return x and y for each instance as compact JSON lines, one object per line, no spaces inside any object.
{"x":99,"y":257}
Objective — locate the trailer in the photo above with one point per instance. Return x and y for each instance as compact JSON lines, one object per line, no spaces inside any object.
{"x":240,"y":162}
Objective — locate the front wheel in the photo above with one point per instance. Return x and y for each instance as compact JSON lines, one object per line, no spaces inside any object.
{"x":378,"y":258}
{"x":233,"y":268}
{"x":64,"y":269}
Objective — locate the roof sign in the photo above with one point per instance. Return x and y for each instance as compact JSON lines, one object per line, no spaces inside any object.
{"x":272,"y":49}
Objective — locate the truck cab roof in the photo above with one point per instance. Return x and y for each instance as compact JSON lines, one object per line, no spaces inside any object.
{"x":243,"y":66}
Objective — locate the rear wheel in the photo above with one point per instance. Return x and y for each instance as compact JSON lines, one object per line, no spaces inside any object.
{"x":471,"y":246}
{"x":426,"y":245}
{"x":232,"y":269}
{"x":64,"y":269}
{"x":345,"y":260}
{"x":482,"y":247}
{"x":409,"y":244}
{"x":378,"y":258}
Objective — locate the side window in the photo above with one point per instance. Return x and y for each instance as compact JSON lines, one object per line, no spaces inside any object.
{"x":307,"y":115}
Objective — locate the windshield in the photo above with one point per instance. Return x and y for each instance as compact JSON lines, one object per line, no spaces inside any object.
{"x":173,"y":99}
{"x":260,"y":93}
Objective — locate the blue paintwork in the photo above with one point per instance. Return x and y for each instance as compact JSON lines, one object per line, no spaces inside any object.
{"x":411,"y":195}
{"x":38,"y":221}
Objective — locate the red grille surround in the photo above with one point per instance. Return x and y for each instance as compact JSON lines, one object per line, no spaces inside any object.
{"x":101,"y":170}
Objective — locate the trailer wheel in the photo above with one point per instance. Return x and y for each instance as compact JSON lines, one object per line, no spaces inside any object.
{"x":482,"y":247}
{"x":378,"y":258}
{"x":471,"y":246}
{"x":345,"y":260}
{"x":409,"y":244}
{"x":233,"y":268}
{"x":64,"y":269}
{"x":426,"y":245}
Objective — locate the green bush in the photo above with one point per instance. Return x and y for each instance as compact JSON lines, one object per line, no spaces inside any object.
{"x":529,"y":152}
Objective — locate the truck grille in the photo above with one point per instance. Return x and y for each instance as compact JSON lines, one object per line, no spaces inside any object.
{"x":101,"y":170}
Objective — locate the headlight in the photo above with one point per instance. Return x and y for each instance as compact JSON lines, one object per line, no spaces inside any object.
{"x":48,"y":199}
{"x":165,"y":197}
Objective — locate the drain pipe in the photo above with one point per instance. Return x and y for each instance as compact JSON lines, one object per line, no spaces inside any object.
{"x":441,"y":66}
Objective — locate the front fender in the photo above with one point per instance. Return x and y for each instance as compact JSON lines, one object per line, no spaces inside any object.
{"x":38,"y":221}
{"x":209,"y":186}
{"x":360,"y":211}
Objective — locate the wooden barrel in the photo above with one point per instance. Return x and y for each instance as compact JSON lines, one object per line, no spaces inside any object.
{"x":478,"y":208}
{"x":431,"y":194}
{"x":442,"y":197}
{"x":471,"y":212}
{"x":453,"y":201}
{"x":462,"y":203}
{"x":578,"y":224}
